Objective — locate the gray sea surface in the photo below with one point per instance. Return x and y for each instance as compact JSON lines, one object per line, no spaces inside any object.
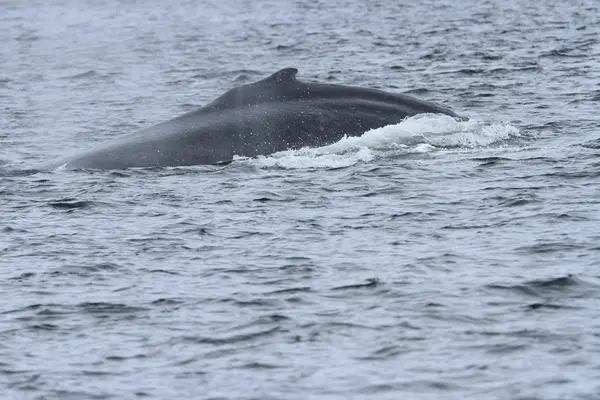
{"x":425,"y":260}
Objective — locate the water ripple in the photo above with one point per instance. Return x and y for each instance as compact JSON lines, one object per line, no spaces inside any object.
{"x":432,"y":259}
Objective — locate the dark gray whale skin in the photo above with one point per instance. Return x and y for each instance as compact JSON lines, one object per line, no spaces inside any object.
{"x":274,"y":114}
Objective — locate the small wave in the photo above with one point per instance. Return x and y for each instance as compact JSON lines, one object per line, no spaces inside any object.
{"x":105,"y":308}
{"x":564,"y":52}
{"x":371,"y":283}
{"x":256,"y":366}
{"x":70,"y":204}
{"x":85,"y":271}
{"x":418,"y":134}
{"x":553,"y":291}
{"x":592,"y":144}
{"x":385,"y":353}
{"x":242,"y":337}
{"x":84,"y":75}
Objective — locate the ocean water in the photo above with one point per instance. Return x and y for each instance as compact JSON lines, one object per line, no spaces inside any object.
{"x":424,"y":260}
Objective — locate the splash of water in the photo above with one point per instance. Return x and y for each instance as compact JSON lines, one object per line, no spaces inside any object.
{"x":418,"y":134}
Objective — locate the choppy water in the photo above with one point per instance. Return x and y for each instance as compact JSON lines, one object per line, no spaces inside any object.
{"x":430,"y":259}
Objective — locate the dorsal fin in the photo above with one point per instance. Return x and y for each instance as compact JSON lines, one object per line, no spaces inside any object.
{"x":269,"y":89}
{"x":283,"y":75}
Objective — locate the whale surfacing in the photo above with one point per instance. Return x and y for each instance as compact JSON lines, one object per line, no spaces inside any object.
{"x":277,"y":113}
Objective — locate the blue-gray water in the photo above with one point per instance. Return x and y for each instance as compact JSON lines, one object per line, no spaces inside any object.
{"x":431,"y":259}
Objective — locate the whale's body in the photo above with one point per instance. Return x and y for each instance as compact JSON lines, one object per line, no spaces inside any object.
{"x":274,"y":114}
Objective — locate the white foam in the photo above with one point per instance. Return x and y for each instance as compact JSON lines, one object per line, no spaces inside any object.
{"x":419,"y":134}
{"x":308,"y":158}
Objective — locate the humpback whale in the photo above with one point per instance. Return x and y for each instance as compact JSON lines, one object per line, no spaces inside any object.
{"x":274,"y":114}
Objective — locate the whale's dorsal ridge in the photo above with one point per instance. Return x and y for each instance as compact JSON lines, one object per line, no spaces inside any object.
{"x":283,"y":75}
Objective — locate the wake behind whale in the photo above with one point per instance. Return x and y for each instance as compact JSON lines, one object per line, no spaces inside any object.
{"x":274,"y":114}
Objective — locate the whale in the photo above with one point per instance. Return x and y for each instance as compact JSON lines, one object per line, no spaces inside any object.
{"x":277,"y":113}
